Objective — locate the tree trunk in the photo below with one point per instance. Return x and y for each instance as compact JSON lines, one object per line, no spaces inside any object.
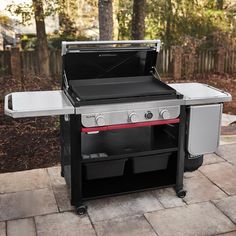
{"x":219,"y":4}
{"x":168,"y":23}
{"x":42,"y":44}
{"x":105,"y":13}
{"x":138,"y":19}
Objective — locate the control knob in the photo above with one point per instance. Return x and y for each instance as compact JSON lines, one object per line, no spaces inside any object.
{"x":148,"y":115}
{"x":165,"y":114}
{"x":100,"y":120}
{"x":133,"y":117}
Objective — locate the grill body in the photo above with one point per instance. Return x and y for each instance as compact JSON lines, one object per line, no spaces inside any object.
{"x":122,"y":129}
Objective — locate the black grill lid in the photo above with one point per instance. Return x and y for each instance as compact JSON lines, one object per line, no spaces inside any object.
{"x":109,"y":62}
{"x":113,"y":74}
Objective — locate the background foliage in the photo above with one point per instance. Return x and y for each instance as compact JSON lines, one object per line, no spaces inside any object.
{"x":173,"y":20}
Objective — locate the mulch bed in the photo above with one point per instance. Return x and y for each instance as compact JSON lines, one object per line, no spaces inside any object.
{"x":34,"y":142}
{"x":31,"y":142}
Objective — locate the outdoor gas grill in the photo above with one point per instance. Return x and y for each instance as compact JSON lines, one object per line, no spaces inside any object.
{"x":123,"y":129}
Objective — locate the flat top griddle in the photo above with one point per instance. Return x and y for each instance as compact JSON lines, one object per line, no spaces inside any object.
{"x":137,"y":87}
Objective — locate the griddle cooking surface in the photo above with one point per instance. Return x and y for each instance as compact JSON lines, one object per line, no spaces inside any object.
{"x":121,"y":87}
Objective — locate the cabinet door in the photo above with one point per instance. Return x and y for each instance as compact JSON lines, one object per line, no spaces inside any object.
{"x":204,"y":128}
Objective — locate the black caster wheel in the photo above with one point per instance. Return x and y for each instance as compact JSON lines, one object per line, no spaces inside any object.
{"x":81,"y":210}
{"x":181,"y":193}
{"x":192,"y":163}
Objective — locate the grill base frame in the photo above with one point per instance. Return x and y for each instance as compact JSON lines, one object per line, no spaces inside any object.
{"x":82,"y":190}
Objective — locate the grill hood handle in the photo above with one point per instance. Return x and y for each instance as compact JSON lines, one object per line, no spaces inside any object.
{"x":7,"y":110}
{"x":65,"y":44}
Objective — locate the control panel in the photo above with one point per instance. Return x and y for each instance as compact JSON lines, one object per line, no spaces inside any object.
{"x":130,"y":116}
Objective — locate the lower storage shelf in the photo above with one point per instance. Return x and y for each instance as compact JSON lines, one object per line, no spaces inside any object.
{"x":93,"y":189}
{"x":104,"y":169}
{"x":132,"y":180}
{"x":150,"y":163}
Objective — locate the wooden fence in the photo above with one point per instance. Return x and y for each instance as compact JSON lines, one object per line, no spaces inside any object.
{"x":29,"y":63}
{"x":203,"y":62}
{"x":5,"y":62}
{"x":171,"y":63}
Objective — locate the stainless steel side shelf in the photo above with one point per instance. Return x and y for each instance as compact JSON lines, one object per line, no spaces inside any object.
{"x":199,"y":94}
{"x":39,"y":103}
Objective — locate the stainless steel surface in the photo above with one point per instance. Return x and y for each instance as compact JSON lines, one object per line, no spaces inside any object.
{"x":79,"y":43}
{"x":127,"y":106}
{"x":165,"y":114}
{"x":133,"y":117}
{"x":65,"y":80}
{"x":204,"y":129}
{"x":40,"y":103}
{"x":156,"y":74}
{"x":123,"y":116}
{"x":66,"y":117}
{"x":100,"y":120}
{"x":197,"y":93}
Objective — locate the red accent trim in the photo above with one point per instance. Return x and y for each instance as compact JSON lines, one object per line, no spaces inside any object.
{"x":127,"y":126}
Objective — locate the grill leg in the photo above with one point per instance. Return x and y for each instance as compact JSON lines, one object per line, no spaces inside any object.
{"x":75,"y":162}
{"x":181,"y":154}
{"x":62,"y":144}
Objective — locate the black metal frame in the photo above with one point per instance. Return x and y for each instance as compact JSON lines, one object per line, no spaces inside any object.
{"x":71,"y":161}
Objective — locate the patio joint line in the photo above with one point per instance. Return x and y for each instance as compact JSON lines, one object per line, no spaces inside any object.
{"x":233,"y":231}
{"x":92,"y":224}
{"x":152,"y":193}
{"x":150,"y":225}
{"x":223,"y":214}
{"x":27,"y":190}
{"x":6,"y":227}
{"x":217,"y":154}
{"x":215,"y":184}
{"x":34,"y":221}
{"x":54,"y":195}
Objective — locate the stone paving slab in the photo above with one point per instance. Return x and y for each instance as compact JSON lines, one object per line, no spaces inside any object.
{"x":66,"y":223}
{"x":55,"y":176}
{"x":188,"y":175}
{"x":200,"y":189}
{"x":127,"y":226}
{"x":211,"y":159}
{"x":21,"y":227}
{"x":223,"y":175}
{"x":192,"y":220}
{"x":228,"y":206}
{"x":227,"y":139}
{"x":24,"y":180}
{"x":62,"y":197}
{"x":168,"y":198}
{"x":26,"y":204}
{"x":42,"y":193}
{"x":2,"y":229}
{"x":125,"y":205}
{"x":228,"y":152}
{"x":228,"y":234}
{"x":227,"y":119}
